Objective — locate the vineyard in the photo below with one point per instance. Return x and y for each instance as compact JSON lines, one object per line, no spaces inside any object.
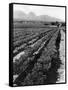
{"x":35,"y":56}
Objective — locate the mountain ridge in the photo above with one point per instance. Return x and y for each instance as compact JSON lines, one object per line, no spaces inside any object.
{"x":20,"y":15}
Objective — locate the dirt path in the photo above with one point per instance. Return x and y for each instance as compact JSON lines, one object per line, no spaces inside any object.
{"x":61,"y":70}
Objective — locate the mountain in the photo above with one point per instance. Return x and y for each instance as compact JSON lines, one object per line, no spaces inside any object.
{"x":48,"y":18}
{"x":20,"y":15}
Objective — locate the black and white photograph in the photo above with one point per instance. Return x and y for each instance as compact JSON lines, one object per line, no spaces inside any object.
{"x":38,"y":44}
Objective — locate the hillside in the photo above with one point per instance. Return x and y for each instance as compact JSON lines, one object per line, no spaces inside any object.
{"x":20,"y":15}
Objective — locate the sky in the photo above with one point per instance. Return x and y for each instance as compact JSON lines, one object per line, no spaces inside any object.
{"x":57,"y":12}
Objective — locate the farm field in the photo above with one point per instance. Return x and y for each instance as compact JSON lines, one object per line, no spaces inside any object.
{"x":36,"y":55}
{"x":37,"y":44}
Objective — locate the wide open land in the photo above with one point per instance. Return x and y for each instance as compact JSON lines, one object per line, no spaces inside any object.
{"x":36,"y":53}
